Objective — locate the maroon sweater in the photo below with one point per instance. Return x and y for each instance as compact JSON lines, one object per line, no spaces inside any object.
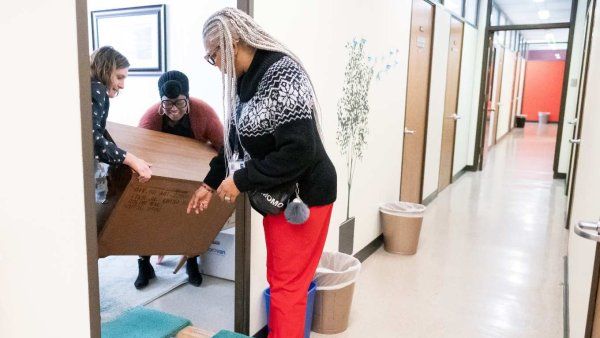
{"x":204,"y":122}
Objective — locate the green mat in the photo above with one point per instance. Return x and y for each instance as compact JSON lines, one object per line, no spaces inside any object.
{"x":228,"y":334}
{"x":141,"y":322}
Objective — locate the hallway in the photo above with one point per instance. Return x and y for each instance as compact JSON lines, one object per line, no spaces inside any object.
{"x":490,"y":260}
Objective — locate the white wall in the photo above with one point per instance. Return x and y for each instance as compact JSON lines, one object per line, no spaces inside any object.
{"x":185,"y":52}
{"x":506,"y":93}
{"x":466,"y":99}
{"x":43,"y":258}
{"x":317,"y":32}
{"x":572,"y":91}
{"x":437,"y":98}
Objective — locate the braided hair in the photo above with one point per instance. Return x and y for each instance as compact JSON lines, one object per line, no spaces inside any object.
{"x":230,"y":25}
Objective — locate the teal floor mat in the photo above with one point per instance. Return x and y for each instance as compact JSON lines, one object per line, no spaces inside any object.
{"x":141,"y":322}
{"x":228,"y":334}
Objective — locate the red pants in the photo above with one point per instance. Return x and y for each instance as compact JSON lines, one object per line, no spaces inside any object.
{"x":293,"y":254}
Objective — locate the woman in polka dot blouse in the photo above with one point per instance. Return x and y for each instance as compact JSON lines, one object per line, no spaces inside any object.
{"x":109,"y":69}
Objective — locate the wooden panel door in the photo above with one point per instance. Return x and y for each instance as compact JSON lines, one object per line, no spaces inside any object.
{"x":496,"y":98}
{"x":487,"y":106}
{"x":417,"y":97}
{"x":450,"y":104}
{"x":515,"y":93}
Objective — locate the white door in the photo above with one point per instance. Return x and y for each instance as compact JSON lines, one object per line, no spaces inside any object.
{"x":586,"y":200}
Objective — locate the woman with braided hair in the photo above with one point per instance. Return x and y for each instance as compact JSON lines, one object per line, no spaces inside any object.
{"x":272,"y":138}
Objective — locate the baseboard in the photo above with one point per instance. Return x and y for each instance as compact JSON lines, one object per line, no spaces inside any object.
{"x":368,"y":250}
{"x":430,"y":198}
{"x":562,"y":176}
{"x":471,"y":168}
{"x":262,"y":333}
{"x":549,"y":122}
{"x":502,"y":138}
{"x":460,"y":173}
{"x":566,"y":298}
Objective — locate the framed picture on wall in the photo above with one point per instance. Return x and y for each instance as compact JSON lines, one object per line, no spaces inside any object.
{"x":139,"y":33}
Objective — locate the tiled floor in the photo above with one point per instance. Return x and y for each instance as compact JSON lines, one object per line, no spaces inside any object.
{"x":490,"y":260}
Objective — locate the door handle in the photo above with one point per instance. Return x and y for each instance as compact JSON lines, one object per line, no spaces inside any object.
{"x":408,"y":131}
{"x":573,"y":121}
{"x":575,"y":141}
{"x":588,"y":230}
{"x":491,"y":109}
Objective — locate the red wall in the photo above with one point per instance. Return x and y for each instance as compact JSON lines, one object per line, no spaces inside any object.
{"x":543,"y":88}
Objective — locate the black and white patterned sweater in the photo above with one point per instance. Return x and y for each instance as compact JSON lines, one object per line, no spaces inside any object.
{"x":277,"y":128}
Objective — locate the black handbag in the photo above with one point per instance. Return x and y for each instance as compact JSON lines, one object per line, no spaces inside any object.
{"x":274,"y":201}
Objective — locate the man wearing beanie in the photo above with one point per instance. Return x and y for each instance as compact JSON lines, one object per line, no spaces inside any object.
{"x":179,"y":114}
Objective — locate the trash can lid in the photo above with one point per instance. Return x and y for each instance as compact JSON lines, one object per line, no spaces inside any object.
{"x":403,"y":209}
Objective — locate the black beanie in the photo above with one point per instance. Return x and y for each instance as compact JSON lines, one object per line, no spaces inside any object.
{"x":172,"y":84}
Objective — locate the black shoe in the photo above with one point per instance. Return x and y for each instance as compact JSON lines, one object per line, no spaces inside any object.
{"x":194,"y":276}
{"x":145,"y":273}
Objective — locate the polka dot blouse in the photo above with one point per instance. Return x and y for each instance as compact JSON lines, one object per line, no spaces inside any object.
{"x":105,"y":150}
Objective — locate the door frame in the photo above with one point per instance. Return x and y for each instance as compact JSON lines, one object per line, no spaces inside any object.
{"x":580,"y":111}
{"x":565,"y":87}
{"x":489,"y":31}
{"x":243,"y":217}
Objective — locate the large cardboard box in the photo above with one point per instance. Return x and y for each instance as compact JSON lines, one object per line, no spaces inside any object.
{"x":219,"y":259}
{"x":150,"y":218}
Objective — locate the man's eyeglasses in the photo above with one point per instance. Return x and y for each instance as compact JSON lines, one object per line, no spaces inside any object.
{"x":168,"y":104}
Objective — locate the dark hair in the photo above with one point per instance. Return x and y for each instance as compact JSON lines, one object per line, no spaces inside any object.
{"x":173,"y":83}
{"x":104,"y":61}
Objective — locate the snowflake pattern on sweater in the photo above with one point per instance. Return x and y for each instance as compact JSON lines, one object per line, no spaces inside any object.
{"x":283,"y":96}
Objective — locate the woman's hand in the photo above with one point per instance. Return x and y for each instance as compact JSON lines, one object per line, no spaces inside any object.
{"x":139,"y":166}
{"x":200,"y":200}
{"x":228,"y":191}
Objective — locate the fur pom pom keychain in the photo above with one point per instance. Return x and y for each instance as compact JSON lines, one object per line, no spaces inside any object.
{"x":297,"y":212}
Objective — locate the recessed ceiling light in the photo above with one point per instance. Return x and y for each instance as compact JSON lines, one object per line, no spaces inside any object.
{"x":544,"y":14}
{"x":538,"y":1}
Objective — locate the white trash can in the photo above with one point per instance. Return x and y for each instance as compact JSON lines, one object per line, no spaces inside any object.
{"x":543,"y":117}
{"x":401,"y":224}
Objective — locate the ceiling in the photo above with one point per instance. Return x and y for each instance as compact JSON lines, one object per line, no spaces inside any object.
{"x":526,"y":11}
{"x":546,"y":35}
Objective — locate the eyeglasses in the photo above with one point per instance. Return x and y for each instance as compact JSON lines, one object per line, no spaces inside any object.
{"x":168,"y":104}
{"x":210,"y":57}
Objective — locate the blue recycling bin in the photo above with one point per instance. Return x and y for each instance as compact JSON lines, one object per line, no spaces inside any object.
{"x":310,"y":302}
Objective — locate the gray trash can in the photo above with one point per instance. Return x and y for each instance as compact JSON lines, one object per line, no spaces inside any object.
{"x":543,"y":117}
{"x":401,"y":224}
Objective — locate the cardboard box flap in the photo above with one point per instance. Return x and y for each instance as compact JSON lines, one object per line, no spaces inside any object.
{"x":171,"y":156}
